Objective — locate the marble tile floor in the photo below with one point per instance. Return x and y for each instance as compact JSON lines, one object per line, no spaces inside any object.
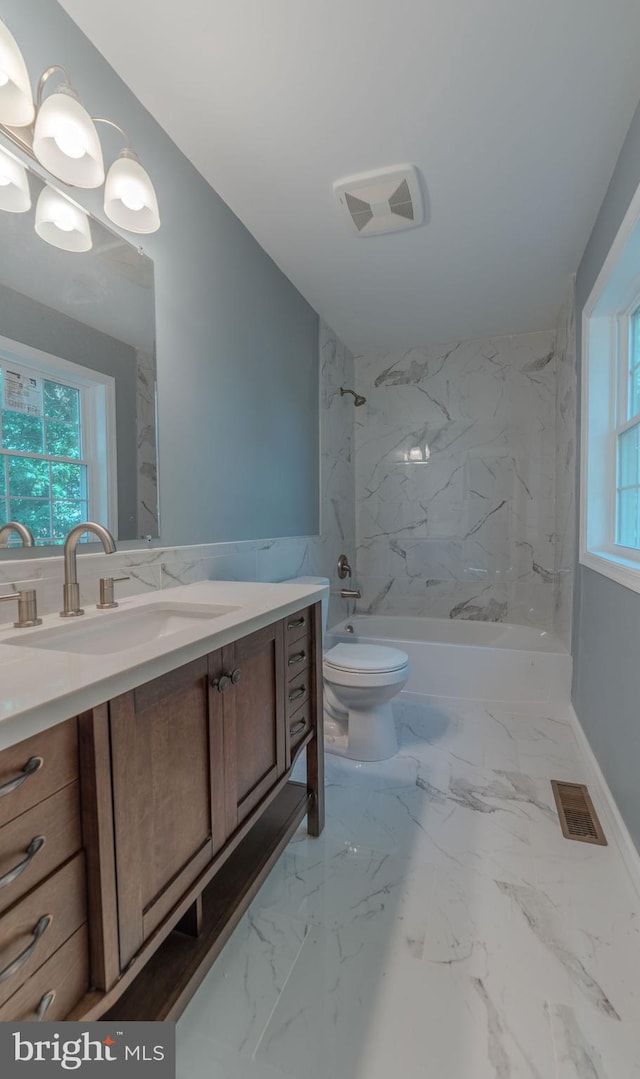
{"x":440,"y":928}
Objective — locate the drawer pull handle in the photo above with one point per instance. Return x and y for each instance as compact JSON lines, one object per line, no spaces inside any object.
{"x":34,"y":764}
{"x":297,"y":658}
{"x":35,"y":845}
{"x":297,"y":727}
{"x":297,"y":623}
{"x":44,"y":1005}
{"x":296,"y":694}
{"x":39,"y":930}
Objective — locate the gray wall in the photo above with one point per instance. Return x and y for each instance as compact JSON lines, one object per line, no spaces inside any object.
{"x":606,"y":638}
{"x":237,"y":346}
{"x":35,"y":324}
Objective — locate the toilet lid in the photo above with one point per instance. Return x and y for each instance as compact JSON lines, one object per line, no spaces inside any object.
{"x":365,"y":657}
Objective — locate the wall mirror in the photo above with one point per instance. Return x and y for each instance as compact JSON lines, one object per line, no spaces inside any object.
{"x":78,"y":431}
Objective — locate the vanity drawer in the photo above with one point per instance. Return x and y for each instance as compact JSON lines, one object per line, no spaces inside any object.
{"x":298,"y":655}
{"x":32,"y":930}
{"x":298,"y":624}
{"x":298,"y":691}
{"x":54,"y":990}
{"x":300,"y":724}
{"x":36,"y":768}
{"x":34,"y":844}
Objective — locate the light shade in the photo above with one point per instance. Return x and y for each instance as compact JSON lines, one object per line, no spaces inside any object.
{"x":129,"y":198}
{"x":16,"y":99}
{"x":15,"y":196}
{"x":66,"y":142}
{"x":62,"y":223}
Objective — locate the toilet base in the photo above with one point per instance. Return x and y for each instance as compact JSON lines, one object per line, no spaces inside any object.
{"x":364,"y":735}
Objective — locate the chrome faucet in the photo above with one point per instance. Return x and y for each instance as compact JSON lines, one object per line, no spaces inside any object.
{"x":26,"y":535}
{"x":71,"y":588}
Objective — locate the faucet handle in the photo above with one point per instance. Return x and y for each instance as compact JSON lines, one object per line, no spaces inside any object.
{"x":344,"y":569}
{"x":107,"y":598}
{"x":27,"y":608}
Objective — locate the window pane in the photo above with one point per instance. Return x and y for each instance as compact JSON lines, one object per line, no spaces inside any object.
{"x":634,"y":366}
{"x":3,"y":511}
{"x":66,"y":515}
{"x":63,"y":439}
{"x":28,"y":478}
{"x":35,"y":514}
{"x":628,"y":517}
{"x":21,"y":432}
{"x":61,"y":402}
{"x":3,"y":481}
{"x":628,"y":457}
{"x":68,"y":481}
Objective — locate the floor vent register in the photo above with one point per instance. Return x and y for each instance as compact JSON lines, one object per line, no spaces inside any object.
{"x":578,"y":818}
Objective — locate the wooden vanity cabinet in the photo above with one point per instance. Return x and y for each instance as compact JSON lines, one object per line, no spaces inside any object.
{"x":165,"y":765}
{"x":250,"y":714}
{"x":192,"y":753}
{"x":178,"y":800}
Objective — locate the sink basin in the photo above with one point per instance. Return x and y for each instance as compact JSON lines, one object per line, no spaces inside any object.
{"x":119,"y":631}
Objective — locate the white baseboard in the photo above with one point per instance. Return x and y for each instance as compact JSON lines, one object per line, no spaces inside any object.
{"x":601,"y":793}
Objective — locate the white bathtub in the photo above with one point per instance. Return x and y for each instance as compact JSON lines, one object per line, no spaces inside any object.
{"x":475,"y":660}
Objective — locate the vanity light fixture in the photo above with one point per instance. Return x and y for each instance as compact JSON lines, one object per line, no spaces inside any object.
{"x":129,"y":198}
{"x":15,"y":197}
{"x":16,"y":100}
{"x":61,"y":223}
{"x":65,"y":141}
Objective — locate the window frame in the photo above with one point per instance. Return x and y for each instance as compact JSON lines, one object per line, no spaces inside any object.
{"x":606,"y":326}
{"x":98,"y":423}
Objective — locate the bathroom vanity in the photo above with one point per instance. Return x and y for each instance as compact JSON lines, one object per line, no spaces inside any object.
{"x":136,"y":827}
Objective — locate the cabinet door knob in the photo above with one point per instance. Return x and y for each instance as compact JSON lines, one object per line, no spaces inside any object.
{"x":222,"y":684}
{"x":297,"y":693}
{"x":297,"y":728}
{"x":296,"y":623}
{"x":236,"y":676}
{"x":34,"y":764}
{"x":298,"y":657}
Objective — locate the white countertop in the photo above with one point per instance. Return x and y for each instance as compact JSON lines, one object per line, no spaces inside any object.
{"x":41,"y":687}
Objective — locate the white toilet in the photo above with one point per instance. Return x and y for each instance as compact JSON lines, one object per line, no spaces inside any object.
{"x":360,"y":681}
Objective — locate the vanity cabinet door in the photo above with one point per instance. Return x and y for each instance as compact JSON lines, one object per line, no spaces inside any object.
{"x":162,"y":784}
{"x":251,"y":712}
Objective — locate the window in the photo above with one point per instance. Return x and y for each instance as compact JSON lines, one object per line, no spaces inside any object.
{"x":627,"y":520}
{"x":610,"y":458}
{"x":54,"y":419}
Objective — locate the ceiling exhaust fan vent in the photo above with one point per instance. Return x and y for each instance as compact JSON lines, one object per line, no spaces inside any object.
{"x":385,"y":200}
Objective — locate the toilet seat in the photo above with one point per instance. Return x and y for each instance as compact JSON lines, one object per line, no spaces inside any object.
{"x":365,"y":659}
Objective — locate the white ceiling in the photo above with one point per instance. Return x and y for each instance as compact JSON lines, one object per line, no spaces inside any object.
{"x":514,"y":112}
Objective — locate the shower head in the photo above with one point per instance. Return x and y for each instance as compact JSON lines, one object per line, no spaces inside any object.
{"x":358,"y":399}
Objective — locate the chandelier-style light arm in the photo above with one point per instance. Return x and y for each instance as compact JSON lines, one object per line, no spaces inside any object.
{"x":47,"y":75}
{"x":103,"y":120}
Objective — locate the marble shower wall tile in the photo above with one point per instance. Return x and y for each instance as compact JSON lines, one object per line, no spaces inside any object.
{"x":565,"y":468}
{"x":147,"y":456}
{"x":151,"y":568}
{"x":470,"y":534}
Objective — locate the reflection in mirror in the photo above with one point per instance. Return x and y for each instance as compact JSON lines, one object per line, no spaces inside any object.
{"x":77,"y":382}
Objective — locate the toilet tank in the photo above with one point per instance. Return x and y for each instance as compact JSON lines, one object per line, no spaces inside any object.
{"x":321,"y":582}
